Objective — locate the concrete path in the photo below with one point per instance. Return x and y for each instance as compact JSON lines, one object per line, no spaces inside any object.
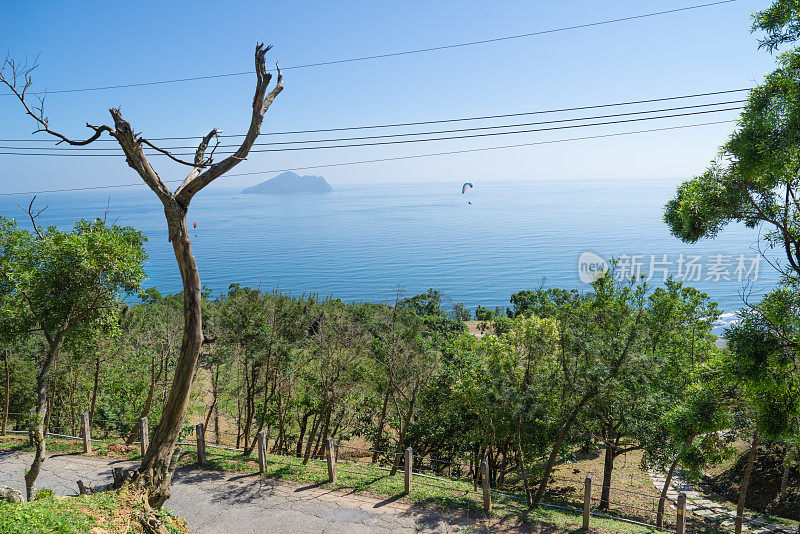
{"x":700,"y":505}
{"x":214,"y":502}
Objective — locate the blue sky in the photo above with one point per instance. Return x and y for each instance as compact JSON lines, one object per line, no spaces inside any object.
{"x":100,"y":43}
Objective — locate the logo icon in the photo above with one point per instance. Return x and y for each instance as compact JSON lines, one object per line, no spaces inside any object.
{"x":591,"y":267}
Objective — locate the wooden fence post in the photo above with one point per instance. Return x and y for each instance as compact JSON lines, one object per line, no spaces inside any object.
{"x":587,"y":501}
{"x":487,"y":496}
{"x":680,"y":527}
{"x":262,"y":451}
{"x":87,"y":435}
{"x":201,"y":444}
{"x":407,"y":471}
{"x":144,"y":434}
{"x":331,"y":461}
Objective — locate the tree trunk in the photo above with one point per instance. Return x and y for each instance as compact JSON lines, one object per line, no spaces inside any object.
{"x":279,"y":446}
{"x":249,"y":406}
{"x":787,"y":462}
{"x":155,"y":473}
{"x":381,"y":422}
{"x":663,"y":497}
{"x":37,"y":433}
{"x":147,"y":404}
{"x":72,"y":419}
{"x":751,"y":456}
{"x":95,"y":387}
{"x":268,"y":393}
{"x":401,"y":443}
{"x":208,"y":416}
{"x":608,"y":468}
{"x":216,"y":425}
{"x":325,"y":429}
{"x":303,"y":426}
{"x":551,"y":460}
{"x":612,"y":451}
{"x":7,"y":396}
{"x":521,"y":462}
{"x":314,"y":429}
{"x":238,"y":405}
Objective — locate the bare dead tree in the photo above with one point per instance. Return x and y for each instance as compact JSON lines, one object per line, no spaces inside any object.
{"x":154,"y":475}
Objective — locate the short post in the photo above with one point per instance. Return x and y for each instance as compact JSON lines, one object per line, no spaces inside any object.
{"x":262,"y":451}
{"x":87,"y":436}
{"x":680,"y":526}
{"x":201,"y":444}
{"x":144,"y":434}
{"x":407,"y":470}
{"x":587,"y":501}
{"x":487,"y":496}
{"x":331,"y":461}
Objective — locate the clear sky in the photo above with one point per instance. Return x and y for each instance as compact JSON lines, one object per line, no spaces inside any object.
{"x":87,"y":44}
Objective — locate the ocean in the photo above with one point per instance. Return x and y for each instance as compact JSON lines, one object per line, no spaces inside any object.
{"x":364,"y":242}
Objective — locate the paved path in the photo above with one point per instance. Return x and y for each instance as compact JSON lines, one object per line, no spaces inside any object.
{"x":214,"y":502}
{"x":700,"y":505}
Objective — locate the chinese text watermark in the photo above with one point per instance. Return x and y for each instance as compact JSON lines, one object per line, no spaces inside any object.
{"x":684,"y":267}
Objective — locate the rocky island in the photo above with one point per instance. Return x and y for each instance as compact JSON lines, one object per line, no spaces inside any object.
{"x":289,"y":182}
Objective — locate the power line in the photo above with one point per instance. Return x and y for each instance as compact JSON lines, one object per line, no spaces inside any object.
{"x":403,"y":141}
{"x":438,"y":121}
{"x":395,"y":158}
{"x":407,"y":134}
{"x":401,"y":53}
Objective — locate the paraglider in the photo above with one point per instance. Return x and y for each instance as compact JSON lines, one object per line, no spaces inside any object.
{"x":464,"y":189}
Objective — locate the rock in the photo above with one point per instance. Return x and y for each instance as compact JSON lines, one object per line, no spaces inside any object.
{"x":9,"y":494}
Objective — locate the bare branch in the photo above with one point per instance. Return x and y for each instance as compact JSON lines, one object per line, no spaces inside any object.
{"x":18,"y":78}
{"x":199,"y":155}
{"x":33,"y":216}
{"x":261,"y":102}
{"x":169,"y":154}
{"x":135,"y":156}
{"x":201,"y":150}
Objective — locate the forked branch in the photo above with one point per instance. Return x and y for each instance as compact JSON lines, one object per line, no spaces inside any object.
{"x":33,"y":216}
{"x":261,"y":103}
{"x":17,"y":77}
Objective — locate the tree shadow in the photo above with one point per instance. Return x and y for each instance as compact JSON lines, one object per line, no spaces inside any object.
{"x":390,"y":500}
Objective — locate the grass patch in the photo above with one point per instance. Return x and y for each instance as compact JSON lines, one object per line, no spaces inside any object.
{"x":112,"y":512}
{"x":103,"y":449}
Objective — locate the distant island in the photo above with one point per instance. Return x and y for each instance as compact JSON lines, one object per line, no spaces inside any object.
{"x":289,"y":182}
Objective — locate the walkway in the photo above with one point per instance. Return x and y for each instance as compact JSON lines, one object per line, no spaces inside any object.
{"x":217,"y":502}
{"x":700,"y":505}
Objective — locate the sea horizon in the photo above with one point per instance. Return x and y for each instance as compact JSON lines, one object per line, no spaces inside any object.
{"x":362,"y":242}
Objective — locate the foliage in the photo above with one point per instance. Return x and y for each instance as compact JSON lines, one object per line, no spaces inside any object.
{"x":484,"y":314}
{"x":107,"y":512}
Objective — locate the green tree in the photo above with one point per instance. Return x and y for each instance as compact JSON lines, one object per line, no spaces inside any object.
{"x":599,"y":334}
{"x":484,"y":314}
{"x":461,"y":312}
{"x":64,"y":285}
{"x":755,"y":179}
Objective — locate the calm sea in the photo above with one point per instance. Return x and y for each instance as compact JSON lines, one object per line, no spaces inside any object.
{"x":362,"y":242}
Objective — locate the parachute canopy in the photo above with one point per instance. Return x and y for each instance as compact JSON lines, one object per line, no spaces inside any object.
{"x":195,"y":224}
{"x":464,"y":187}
